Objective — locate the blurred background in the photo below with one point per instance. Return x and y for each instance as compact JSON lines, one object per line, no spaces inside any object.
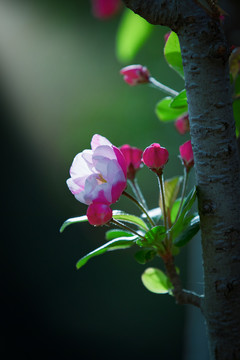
{"x":60,"y":84}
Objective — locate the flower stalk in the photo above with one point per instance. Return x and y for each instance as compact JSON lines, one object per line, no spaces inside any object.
{"x":157,"y":85}
{"x":125,"y":227}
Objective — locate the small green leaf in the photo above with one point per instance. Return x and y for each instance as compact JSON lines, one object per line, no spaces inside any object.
{"x":73,"y":221}
{"x":188,"y":233}
{"x":132,"y":33}
{"x":116,"y":233}
{"x":153,"y":237}
{"x":172,"y":53}
{"x":167,"y":113}
{"x":145,"y":255}
{"x":172,"y":187}
{"x":180,"y":100}
{"x":156,"y":235}
{"x":116,"y":244}
{"x":120,"y":215}
{"x":156,"y":281}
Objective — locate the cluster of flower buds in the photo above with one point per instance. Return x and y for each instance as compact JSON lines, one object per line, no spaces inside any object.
{"x":99,"y":176}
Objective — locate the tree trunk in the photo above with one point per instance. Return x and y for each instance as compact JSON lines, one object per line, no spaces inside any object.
{"x":205,"y":61}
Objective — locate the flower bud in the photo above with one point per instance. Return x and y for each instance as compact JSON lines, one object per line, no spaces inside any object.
{"x":186,"y":154}
{"x":99,"y":214}
{"x":135,"y":74}
{"x":104,"y":9}
{"x":182,"y":124}
{"x":155,"y":157}
{"x":133,"y":157}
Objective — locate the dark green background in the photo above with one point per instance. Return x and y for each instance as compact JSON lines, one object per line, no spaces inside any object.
{"x":60,"y":84}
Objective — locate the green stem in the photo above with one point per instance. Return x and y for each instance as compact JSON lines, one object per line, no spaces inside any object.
{"x":137,"y":192}
{"x":125,"y":227}
{"x":185,"y":179}
{"x":140,"y":206}
{"x":162,"y":195}
{"x":156,"y":84}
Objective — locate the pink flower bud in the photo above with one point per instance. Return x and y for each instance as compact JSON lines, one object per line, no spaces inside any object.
{"x":104,"y":9}
{"x":133,"y":157}
{"x":155,"y":157}
{"x":182,"y":124}
{"x":99,"y":214}
{"x":186,"y":154}
{"x":135,"y":74}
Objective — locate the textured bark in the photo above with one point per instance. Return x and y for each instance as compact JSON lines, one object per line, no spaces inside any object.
{"x":205,"y":62}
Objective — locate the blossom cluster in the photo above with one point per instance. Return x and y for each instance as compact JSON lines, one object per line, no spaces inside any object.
{"x":98,"y":176}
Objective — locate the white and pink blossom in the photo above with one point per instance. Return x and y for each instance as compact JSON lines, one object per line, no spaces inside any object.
{"x":98,"y":175}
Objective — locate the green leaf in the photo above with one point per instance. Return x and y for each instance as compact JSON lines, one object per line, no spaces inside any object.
{"x":153,"y":237}
{"x":178,"y":227}
{"x":156,"y":281}
{"x":116,"y":233}
{"x":132,"y":33}
{"x":234,"y":62}
{"x":172,"y":187}
{"x":189,"y":201}
{"x":145,"y":255}
{"x":172,"y":53}
{"x":236,"y":112}
{"x":73,"y":221}
{"x":116,"y":244}
{"x":180,"y":100}
{"x":188,"y":233}
{"x":237,"y":86}
{"x":120,"y":215}
{"x":174,"y":210}
{"x":167,"y":113}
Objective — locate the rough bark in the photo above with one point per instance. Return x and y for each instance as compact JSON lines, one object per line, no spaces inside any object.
{"x":205,"y":61}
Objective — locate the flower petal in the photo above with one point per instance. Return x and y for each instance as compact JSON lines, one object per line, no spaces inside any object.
{"x":98,"y":140}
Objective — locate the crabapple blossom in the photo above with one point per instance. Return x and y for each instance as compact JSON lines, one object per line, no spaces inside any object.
{"x":135,"y":74}
{"x":99,"y":214}
{"x":155,"y":157}
{"x":98,"y":175}
{"x":133,"y":157}
{"x":186,"y":154}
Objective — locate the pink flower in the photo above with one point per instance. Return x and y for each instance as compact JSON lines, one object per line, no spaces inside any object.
{"x":135,"y":74}
{"x":104,"y":9}
{"x":133,"y":157}
{"x":155,"y":157}
{"x":98,"y":175}
{"x":99,"y":214}
{"x":186,"y":154}
{"x":182,"y":124}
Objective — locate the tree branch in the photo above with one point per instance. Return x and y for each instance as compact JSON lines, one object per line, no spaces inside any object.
{"x":212,"y":126}
{"x":182,"y":296}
